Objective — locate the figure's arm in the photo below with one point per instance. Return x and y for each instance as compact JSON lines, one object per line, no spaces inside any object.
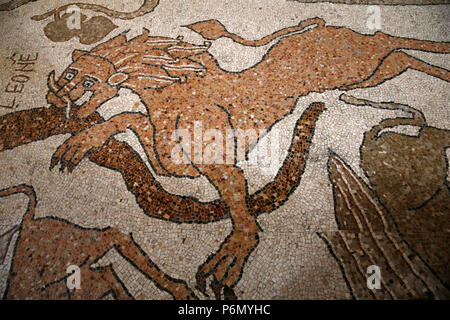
{"x":45,"y":121}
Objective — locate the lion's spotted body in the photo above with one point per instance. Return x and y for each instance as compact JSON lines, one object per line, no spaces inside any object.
{"x":181,"y":85}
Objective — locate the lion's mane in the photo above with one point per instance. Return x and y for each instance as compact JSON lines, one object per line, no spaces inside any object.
{"x":152,"y":62}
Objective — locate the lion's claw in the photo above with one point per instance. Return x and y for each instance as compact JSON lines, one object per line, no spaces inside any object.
{"x":229,"y":294}
{"x":71,"y":152}
{"x":226,"y":265}
{"x":201,"y":283}
{"x":217,"y":288}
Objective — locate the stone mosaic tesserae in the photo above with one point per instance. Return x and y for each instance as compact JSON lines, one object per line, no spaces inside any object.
{"x":206,"y":158}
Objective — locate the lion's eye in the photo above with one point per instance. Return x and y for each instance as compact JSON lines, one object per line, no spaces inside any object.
{"x":69,"y":76}
{"x":88,"y":84}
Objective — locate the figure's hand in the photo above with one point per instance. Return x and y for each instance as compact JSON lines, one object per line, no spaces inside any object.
{"x":227,"y":264}
{"x":72,"y":151}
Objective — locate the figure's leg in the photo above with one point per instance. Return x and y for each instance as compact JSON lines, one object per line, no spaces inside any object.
{"x":98,"y":281}
{"x":131,"y":251}
{"x":396,"y":63}
{"x":227,"y":264}
{"x":22,"y":127}
{"x":113,"y":284}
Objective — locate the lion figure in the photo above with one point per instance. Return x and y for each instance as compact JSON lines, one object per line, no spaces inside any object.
{"x":181,"y":83}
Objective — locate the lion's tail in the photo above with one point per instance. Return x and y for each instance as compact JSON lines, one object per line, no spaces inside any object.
{"x":417,"y":119}
{"x":213,"y":30}
{"x":28,"y":191}
{"x":146,"y":7}
{"x":7,"y":236}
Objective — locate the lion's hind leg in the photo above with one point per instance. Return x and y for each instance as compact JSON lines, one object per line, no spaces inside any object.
{"x":227,"y":264}
{"x":395,"y":64}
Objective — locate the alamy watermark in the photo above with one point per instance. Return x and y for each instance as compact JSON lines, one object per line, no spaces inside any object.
{"x":73,"y":280}
{"x":373,"y":17}
{"x":74,"y":20}
{"x":199,"y":145}
{"x":374,"y":277}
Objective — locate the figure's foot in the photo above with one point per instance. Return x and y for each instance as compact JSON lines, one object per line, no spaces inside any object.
{"x":227,"y":264}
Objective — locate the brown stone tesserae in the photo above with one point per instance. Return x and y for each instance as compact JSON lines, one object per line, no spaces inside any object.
{"x":181,"y":84}
{"x":374,"y":227}
{"x":89,"y":246}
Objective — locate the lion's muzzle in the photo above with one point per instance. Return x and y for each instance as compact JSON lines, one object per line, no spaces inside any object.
{"x":58,"y":96}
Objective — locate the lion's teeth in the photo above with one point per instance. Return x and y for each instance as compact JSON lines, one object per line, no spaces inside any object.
{"x":86,"y":97}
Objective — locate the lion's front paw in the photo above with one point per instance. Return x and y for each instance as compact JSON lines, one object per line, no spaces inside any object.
{"x":72,"y":151}
{"x":227,"y":264}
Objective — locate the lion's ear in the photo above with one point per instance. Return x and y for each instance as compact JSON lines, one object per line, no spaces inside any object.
{"x":117,"y":78}
{"x":78,"y":53}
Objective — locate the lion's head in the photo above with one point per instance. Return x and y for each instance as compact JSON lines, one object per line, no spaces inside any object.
{"x":142,"y":63}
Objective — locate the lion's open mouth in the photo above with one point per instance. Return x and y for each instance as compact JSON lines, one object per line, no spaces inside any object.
{"x":85,"y":97}
{"x":53,"y":88}
{"x":65,"y":99}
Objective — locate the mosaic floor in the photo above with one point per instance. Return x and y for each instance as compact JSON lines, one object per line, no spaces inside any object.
{"x":225,"y":149}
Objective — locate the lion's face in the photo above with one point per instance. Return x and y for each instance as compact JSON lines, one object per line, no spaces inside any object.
{"x":143,"y":63}
{"x":85,"y":85}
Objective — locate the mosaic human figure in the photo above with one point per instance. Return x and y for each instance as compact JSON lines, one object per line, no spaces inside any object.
{"x":63,"y":243}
